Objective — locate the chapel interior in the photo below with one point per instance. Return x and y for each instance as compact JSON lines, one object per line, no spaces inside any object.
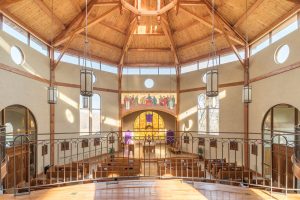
{"x":149,"y":99}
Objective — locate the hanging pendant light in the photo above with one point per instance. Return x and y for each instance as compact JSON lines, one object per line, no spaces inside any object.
{"x":212,"y":76}
{"x":247,"y":94}
{"x":247,"y":90}
{"x":52,"y":95}
{"x":212,"y":83}
{"x":86,"y":75}
{"x":86,"y":82}
{"x":52,"y":91}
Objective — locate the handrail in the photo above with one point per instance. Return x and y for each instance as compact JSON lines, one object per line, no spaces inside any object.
{"x":99,"y":156}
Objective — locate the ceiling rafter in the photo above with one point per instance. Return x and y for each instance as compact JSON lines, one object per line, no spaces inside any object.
{"x":75,"y":23}
{"x":17,"y":21}
{"x":276,"y":23}
{"x":76,"y":5}
{"x":248,"y":13}
{"x":131,"y":28}
{"x":205,"y":56}
{"x":70,"y":37}
{"x":48,"y":12}
{"x":168,"y":32}
{"x":164,"y":50}
{"x":232,"y":46}
{"x":102,"y":42}
{"x":6,"y":3}
{"x":207,"y":23}
{"x":82,"y":28}
{"x":113,"y":28}
{"x":222,"y":20}
{"x":197,"y":42}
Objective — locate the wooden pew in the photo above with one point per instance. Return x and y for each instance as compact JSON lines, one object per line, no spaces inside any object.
{"x":220,"y":166}
{"x":234,"y":175}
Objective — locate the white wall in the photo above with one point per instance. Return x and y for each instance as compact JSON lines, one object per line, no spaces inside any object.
{"x":282,"y":88}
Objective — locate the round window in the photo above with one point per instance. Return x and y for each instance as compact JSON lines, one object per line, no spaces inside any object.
{"x":17,"y":55}
{"x":282,"y":54}
{"x":149,"y":83}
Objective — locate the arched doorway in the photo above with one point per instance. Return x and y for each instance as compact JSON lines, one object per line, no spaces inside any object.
{"x":279,"y":120}
{"x":19,"y":120}
{"x":149,"y":124}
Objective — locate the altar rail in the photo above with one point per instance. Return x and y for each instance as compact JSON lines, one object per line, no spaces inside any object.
{"x":90,"y":157}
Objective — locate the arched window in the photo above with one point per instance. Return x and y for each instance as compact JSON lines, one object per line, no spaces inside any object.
{"x":208,"y":114}
{"x":90,"y":116}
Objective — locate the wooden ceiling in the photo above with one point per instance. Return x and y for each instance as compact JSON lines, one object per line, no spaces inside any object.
{"x":119,"y":36}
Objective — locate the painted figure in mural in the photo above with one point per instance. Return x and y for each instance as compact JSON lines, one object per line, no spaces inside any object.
{"x":149,"y":100}
{"x":154,"y":100}
{"x":171,"y":102}
{"x":136,"y":100}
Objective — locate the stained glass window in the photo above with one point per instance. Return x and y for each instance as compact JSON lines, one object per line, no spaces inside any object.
{"x":208,"y":114}
{"x":149,"y":124}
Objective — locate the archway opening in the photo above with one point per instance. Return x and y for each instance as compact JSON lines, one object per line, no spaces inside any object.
{"x":279,"y":123}
{"x":19,"y":143}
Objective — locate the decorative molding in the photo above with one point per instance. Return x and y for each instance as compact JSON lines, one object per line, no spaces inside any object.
{"x":276,"y":72}
{"x":23,"y":73}
{"x":224,"y":85}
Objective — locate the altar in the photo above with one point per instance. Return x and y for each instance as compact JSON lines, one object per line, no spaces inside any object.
{"x":149,"y":147}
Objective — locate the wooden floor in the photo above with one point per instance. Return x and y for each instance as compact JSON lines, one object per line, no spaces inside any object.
{"x":149,"y":190}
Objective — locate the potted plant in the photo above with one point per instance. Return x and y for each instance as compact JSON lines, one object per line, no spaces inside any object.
{"x":200,"y":153}
{"x":112,"y":153}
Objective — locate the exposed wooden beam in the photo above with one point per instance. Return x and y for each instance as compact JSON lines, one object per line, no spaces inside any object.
{"x":207,"y":23}
{"x":113,"y":27}
{"x":148,"y":64}
{"x":76,"y":5}
{"x":48,"y":12}
{"x":205,"y":56}
{"x":191,"y":3}
{"x":23,"y":73}
{"x":17,"y":21}
{"x":75,"y":23}
{"x":248,"y":13}
{"x":167,"y":30}
{"x":224,"y":85}
{"x":221,"y":25}
{"x":197,"y":42}
{"x":234,"y":49}
{"x":94,"y":57}
{"x":82,"y":28}
{"x":6,"y":3}
{"x":276,"y":23}
{"x":221,"y":19}
{"x":102,"y":42}
{"x":131,"y":28}
{"x":149,"y":34}
{"x":188,"y":25}
{"x":107,"y":3}
{"x":141,"y":12}
{"x":63,"y":52}
{"x":150,"y":50}
{"x":52,"y":109}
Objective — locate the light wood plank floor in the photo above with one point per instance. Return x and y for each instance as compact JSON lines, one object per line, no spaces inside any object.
{"x":149,"y":190}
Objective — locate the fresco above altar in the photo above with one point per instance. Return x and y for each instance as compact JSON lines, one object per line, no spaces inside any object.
{"x":160,"y":100}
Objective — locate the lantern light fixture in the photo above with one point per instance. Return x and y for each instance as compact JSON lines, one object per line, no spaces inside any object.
{"x":52,"y":95}
{"x":212,"y":75}
{"x":247,"y":94}
{"x":212,"y":83}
